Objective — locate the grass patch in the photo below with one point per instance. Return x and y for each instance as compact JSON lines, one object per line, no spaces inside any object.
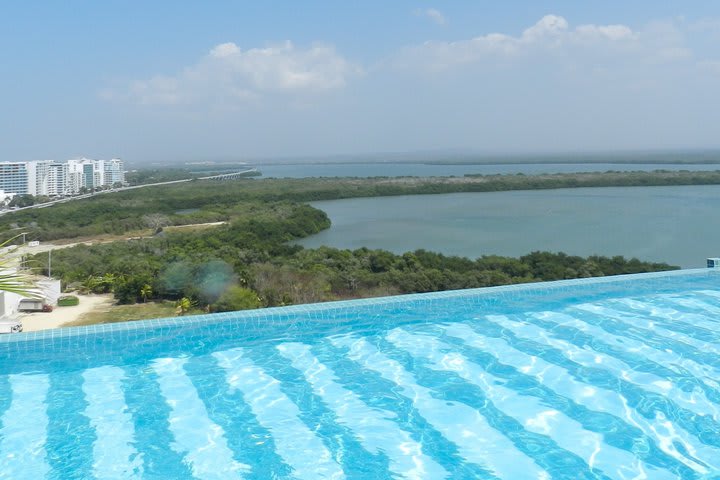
{"x":125,"y":313}
{"x":102,"y":238}
{"x":193,"y":227}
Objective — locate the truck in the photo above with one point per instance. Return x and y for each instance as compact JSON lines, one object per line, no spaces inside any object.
{"x":31,"y":305}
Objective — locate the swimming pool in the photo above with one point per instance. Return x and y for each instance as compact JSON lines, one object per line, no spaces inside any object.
{"x":600,"y":378}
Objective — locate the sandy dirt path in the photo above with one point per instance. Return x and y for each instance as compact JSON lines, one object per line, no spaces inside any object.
{"x":33,"y":322}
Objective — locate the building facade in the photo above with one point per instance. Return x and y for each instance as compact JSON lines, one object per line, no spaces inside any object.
{"x":113,"y":172}
{"x":51,"y":178}
{"x":57,"y":180}
{"x":14,"y":177}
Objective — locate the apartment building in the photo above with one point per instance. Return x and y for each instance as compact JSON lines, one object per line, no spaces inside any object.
{"x":47,"y":177}
{"x":14,"y":177}
{"x":113,"y":171}
{"x":51,"y":178}
{"x":57,"y":184}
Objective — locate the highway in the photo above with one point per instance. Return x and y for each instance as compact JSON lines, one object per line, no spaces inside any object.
{"x":221,"y":177}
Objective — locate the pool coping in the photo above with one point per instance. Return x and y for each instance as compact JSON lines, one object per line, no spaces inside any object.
{"x":343,"y":305}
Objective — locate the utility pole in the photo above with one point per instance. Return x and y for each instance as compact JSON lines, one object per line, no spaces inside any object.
{"x":49,"y":263}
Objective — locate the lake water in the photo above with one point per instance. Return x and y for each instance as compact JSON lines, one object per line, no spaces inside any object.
{"x":679,"y":225}
{"x":428,"y":170}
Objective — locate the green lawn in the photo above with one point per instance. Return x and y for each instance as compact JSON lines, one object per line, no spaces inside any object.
{"x":124,"y":313}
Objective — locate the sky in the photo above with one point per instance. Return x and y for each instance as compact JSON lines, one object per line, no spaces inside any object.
{"x":167,"y":81}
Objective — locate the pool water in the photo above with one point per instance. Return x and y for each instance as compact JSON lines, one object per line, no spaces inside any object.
{"x":608,"y":379}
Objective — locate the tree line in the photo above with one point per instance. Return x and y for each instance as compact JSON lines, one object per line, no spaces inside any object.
{"x":206,"y":201}
{"x":249,"y":263}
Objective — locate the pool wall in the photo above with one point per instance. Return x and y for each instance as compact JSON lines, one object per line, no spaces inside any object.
{"x":99,"y":344}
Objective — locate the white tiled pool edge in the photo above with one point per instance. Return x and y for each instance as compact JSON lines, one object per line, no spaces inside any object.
{"x":340,"y":306}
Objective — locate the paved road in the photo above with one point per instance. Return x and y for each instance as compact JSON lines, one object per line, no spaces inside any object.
{"x":224,"y":176}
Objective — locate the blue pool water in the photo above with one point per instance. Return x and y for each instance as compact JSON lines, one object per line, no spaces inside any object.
{"x":603,"y":378}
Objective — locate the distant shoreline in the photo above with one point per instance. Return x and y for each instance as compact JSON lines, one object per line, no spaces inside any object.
{"x":213,"y":201}
{"x":575,"y":162}
{"x":670,"y":157}
{"x":495,"y":162}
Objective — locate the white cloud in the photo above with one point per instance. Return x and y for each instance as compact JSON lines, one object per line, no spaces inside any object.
{"x":610,"y":32}
{"x":548,"y":26}
{"x":284,"y":67}
{"x":433,"y":14}
{"x":551,"y":32}
{"x":225,"y":50}
{"x":228,"y":73}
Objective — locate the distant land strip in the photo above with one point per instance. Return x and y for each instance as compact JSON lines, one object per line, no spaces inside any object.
{"x":205,"y":201}
{"x":327,"y":188}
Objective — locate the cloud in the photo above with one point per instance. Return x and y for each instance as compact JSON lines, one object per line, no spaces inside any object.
{"x":550,"y":33}
{"x":433,"y":14}
{"x":230,"y":74}
{"x":225,"y":50}
{"x":548,"y":26}
{"x":609,"y":32}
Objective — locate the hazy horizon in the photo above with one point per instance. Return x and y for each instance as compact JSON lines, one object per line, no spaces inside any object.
{"x":688,"y":156}
{"x":172,"y":82}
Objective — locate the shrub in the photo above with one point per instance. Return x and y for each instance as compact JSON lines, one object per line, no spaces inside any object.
{"x":68,"y":301}
{"x":236,"y":298}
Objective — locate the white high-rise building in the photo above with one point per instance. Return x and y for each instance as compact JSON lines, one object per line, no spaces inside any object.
{"x":58,"y":181}
{"x":35,"y":174}
{"x":89,"y":174}
{"x":14,"y":177}
{"x":75,"y":175}
{"x":51,"y":178}
{"x":113,"y":172}
{"x":83,"y":172}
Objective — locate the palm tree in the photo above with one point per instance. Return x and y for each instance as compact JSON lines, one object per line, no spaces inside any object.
{"x":145,"y":292}
{"x":12,"y":280}
{"x":183,"y":306}
{"x":90,"y":284}
{"x":108,"y":282}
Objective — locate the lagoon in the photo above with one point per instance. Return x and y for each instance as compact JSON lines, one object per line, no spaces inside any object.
{"x":679,"y":224}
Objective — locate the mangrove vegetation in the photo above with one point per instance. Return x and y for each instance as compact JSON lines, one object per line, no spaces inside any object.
{"x":246,"y":259}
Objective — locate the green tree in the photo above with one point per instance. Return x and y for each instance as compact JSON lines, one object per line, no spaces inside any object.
{"x":145,"y":292}
{"x":89,"y":284}
{"x":127,"y":288}
{"x":24,"y":200}
{"x":183,"y":306}
{"x":236,"y":297}
{"x":100,"y":283}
